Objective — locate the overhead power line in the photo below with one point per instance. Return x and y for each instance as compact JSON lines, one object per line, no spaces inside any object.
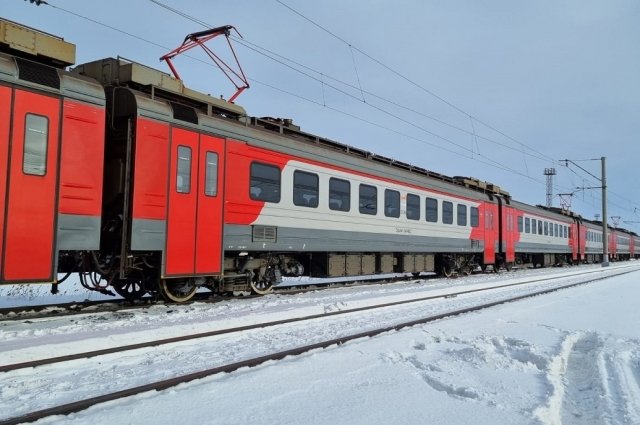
{"x":410,"y":81}
{"x":400,"y":133}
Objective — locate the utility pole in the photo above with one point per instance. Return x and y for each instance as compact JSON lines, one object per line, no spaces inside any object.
{"x":605,"y":236}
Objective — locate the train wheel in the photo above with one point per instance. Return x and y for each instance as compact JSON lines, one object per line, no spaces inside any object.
{"x":177,"y":291}
{"x":465,"y":270}
{"x":129,"y":289}
{"x":262,"y":287}
{"x":447,"y":270}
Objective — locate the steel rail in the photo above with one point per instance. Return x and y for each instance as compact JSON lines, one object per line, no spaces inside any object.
{"x":80,"y":405}
{"x":200,"y":335}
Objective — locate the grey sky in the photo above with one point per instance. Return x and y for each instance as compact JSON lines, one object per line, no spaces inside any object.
{"x":561,"y":77}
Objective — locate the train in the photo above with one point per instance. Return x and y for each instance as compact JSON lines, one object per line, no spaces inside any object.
{"x":120,"y":173}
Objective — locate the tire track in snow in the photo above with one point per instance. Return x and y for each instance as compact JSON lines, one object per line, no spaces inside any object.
{"x":584,"y":401}
{"x":594,"y":380}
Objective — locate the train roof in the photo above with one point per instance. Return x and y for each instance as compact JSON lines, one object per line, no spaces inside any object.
{"x":36,"y":45}
{"x":158,"y":84}
{"x":162,"y":86}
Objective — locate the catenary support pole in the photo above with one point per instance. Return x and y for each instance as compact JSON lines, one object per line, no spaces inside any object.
{"x":605,"y":234}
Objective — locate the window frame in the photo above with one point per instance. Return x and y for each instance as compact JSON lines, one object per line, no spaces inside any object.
{"x":447,"y":212}
{"x":180,"y":160}
{"x":360,"y":197}
{"x":393,"y":196}
{"x":297,"y":187}
{"x":461,"y":215}
{"x":415,"y":207}
{"x":207,"y":173}
{"x":474,"y":217}
{"x":332,"y":181}
{"x":260,"y":198}
{"x":26,"y":168}
{"x":430,"y":211}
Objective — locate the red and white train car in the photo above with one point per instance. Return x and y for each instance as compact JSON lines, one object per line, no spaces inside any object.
{"x":121,"y":173}
{"x":51,"y":154}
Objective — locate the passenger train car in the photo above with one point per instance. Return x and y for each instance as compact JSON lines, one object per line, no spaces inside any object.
{"x":120,"y":173}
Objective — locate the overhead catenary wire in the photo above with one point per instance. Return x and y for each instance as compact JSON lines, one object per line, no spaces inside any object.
{"x":407,"y":79}
{"x":486,"y":161}
{"x":471,"y":117}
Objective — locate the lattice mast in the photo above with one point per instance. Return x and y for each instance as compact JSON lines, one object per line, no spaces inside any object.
{"x":549,"y":172}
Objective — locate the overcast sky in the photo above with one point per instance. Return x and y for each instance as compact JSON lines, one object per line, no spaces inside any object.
{"x":558,"y":79}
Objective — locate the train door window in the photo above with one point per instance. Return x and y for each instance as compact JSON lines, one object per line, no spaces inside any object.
{"x":488,"y":216}
{"x":211,"y":174}
{"x":391,"y":203}
{"x":413,"y":207}
{"x":183,"y":174}
{"x":527,"y":225}
{"x":474,"y":217}
{"x":520,"y":224}
{"x":368,"y":199}
{"x":264,"y":182}
{"x":447,"y":212}
{"x":339,"y":194}
{"x":34,"y":160}
{"x":431,"y":210}
{"x":462,"y":215}
{"x":305,"y":189}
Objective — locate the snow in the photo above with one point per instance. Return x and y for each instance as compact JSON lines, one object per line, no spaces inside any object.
{"x":570,"y":357}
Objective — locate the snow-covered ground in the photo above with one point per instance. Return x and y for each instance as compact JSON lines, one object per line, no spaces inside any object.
{"x":571,"y":357}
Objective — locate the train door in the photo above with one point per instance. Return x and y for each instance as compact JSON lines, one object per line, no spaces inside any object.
{"x":510,"y":234}
{"x":194,"y":218}
{"x":490,"y":211}
{"x":29,"y":223}
{"x":5,"y":124}
{"x":209,"y":221}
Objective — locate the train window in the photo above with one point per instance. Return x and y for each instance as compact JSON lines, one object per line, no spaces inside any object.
{"x":474,"y":217}
{"x":391,"y":203}
{"x":413,"y":207}
{"x":305,"y":189}
{"x":462,"y":215}
{"x":431,"y":210}
{"x":520,"y":224}
{"x":339,"y":194}
{"x":183,"y":173}
{"x":368,"y":199}
{"x":264,"y":182}
{"x":565,"y":232}
{"x":534,"y":227}
{"x":211,"y":174}
{"x":555,"y":230}
{"x":447,"y":212}
{"x":34,"y":159}
{"x":527,"y":225}
{"x":540,"y":227}
{"x":546,"y":228}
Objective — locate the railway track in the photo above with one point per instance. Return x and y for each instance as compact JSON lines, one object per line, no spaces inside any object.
{"x":44,"y":311}
{"x":63,"y":409}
